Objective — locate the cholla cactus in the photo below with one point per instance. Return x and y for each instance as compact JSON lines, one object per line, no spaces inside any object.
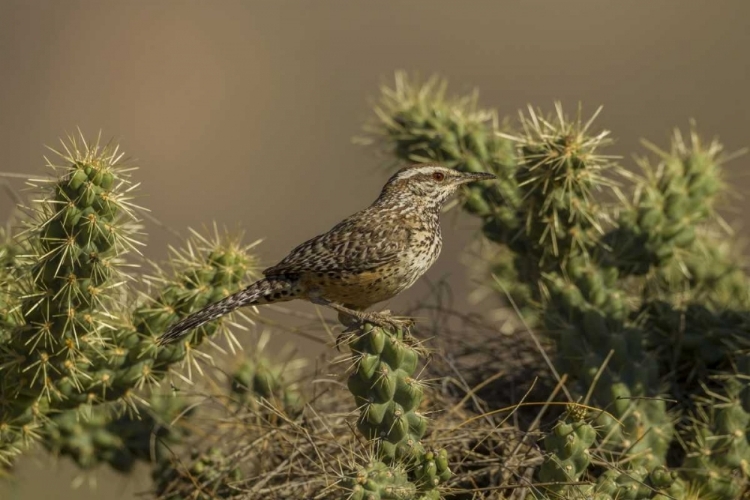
{"x":388,"y":396}
{"x":101,"y":435}
{"x":74,"y":333}
{"x":638,"y":291}
{"x":640,"y":294}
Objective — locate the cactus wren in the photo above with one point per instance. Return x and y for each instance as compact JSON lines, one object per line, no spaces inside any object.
{"x":367,"y":258}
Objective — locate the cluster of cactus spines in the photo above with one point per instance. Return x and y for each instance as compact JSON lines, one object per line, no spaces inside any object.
{"x":380,"y":481}
{"x":718,"y":455}
{"x":9,"y":317}
{"x":203,"y":271}
{"x":673,"y":198}
{"x":388,"y":395}
{"x":77,"y":235}
{"x":76,"y":334}
{"x":636,"y":483}
{"x":631,"y":294}
{"x":714,"y":273}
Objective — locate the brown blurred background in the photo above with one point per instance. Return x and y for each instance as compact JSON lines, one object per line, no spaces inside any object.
{"x":243,"y":112}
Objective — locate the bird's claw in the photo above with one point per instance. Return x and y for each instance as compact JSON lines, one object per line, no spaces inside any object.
{"x":385,"y":320}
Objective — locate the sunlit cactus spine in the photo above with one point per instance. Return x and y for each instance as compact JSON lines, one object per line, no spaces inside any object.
{"x":378,"y":481}
{"x":203,"y":271}
{"x":674,"y":196}
{"x":388,"y":395}
{"x":570,"y":446}
{"x":9,"y":315}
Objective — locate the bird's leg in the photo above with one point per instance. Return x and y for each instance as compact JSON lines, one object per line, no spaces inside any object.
{"x":383,"y":320}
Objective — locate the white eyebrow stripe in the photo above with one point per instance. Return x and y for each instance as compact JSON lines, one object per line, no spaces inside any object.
{"x":415,"y":171}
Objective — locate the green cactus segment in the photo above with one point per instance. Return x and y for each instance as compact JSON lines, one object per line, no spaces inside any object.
{"x":73,"y":335}
{"x":260,"y":379}
{"x":568,"y":456}
{"x":205,"y":271}
{"x":560,"y":170}
{"x":378,"y":481}
{"x":569,"y":447}
{"x":10,"y":316}
{"x":81,"y":227}
{"x":386,"y":392}
{"x":207,"y":476}
{"x":671,"y":199}
{"x":711,"y":272}
{"x":608,"y":359}
{"x":636,"y":483}
{"x":98,"y":436}
{"x":388,"y":397}
{"x":717,"y":460}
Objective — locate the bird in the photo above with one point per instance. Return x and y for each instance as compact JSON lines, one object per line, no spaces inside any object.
{"x":367,"y":258}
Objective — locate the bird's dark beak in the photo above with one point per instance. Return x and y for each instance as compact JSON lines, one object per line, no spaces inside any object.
{"x":476,"y":176}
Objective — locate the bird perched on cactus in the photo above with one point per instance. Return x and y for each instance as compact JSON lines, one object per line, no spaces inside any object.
{"x":367,"y":258}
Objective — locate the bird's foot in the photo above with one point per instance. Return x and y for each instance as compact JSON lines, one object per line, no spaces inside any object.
{"x":385,"y":319}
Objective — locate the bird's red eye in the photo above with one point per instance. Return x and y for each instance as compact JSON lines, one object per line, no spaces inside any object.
{"x":438,"y":176}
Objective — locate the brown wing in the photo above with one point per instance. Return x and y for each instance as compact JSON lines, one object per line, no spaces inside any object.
{"x":356,"y":244}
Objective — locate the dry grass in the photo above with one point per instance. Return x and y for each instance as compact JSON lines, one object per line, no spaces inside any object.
{"x":485,"y":412}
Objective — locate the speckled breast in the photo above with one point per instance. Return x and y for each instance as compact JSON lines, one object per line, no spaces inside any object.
{"x":363,"y":289}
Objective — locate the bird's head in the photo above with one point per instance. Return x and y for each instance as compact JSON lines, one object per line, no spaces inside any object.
{"x":431,"y":184}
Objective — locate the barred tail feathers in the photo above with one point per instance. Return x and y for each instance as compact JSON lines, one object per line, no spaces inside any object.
{"x":263,"y":291}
